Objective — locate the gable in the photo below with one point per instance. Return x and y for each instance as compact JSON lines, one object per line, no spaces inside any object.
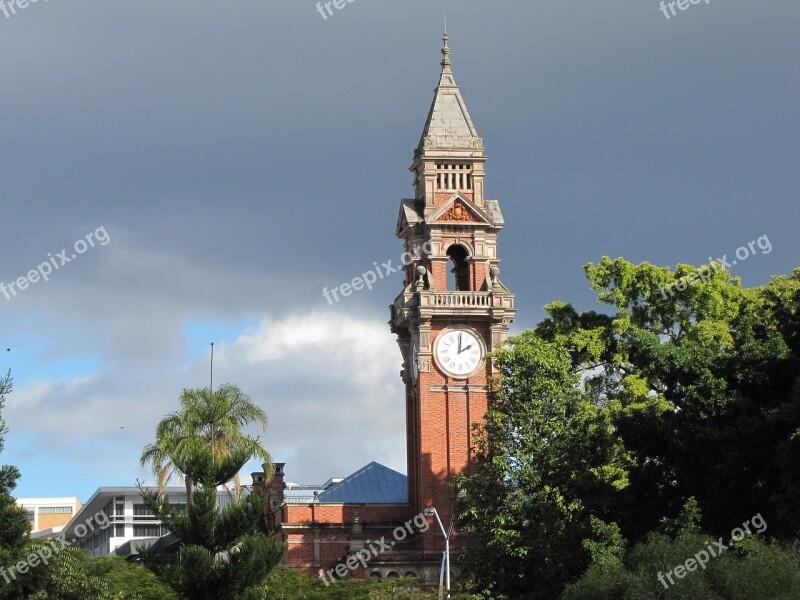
{"x":459,"y":210}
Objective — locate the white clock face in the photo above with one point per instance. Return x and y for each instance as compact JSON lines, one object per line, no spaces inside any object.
{"x":458,"y":351}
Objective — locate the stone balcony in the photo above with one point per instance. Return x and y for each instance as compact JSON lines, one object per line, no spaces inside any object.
{"x":461,"y":304}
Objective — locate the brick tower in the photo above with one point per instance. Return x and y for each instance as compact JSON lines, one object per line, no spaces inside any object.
{"x":453,"y":309}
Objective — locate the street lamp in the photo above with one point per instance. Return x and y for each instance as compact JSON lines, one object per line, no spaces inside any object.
{"x":444,"y":571}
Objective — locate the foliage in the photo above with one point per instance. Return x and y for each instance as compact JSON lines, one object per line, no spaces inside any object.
{"x":129,"y":581}
{"x":67,"y":573}
{"x":14,"y":526}
{"x":221,"y":554}
{"x":751,"y":569}
{"x":67,"y":577}
{"x":206,"y":418}
{"x":528,"y":500}
{"x":688,"y":388}
{"x":288,"y":584}
{"x":703,"y":388}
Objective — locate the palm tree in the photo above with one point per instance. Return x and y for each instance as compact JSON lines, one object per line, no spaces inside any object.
{"x":171,"y":433}
{"x":213,"y":419}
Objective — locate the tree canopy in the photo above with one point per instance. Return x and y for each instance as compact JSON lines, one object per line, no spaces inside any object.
{"x":212,"y":420}
{"x":688,"y":386}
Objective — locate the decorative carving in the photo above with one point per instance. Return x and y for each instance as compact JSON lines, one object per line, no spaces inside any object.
{"x":458,"y":212}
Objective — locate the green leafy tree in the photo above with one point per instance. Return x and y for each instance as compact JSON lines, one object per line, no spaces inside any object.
{"x":129,"y":581}
{"x":206,"y":417}
{"x":14,"y":526}
{"x":64,"y":575}
{"x":702,"y":384}
{"x":67,"y":577}
{"x":751,"y":568}
{"x":688,"y":387}
{"x":289,"y":584}
{"x":528,"y":500}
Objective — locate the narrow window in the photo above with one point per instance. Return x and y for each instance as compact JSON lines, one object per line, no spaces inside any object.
{"x":458,"y":277}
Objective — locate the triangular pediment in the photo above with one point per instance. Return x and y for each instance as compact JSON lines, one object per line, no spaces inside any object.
{"x":459,"y":210}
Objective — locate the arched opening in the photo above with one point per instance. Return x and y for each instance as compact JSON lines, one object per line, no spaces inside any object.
{"x":458,"y":275}
{"x":392,"y":575}
{"x":376,"y":576}
{"x":410,"y":574}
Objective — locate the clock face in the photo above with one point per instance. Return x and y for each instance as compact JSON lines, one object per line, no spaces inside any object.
{"x":414,"y":367}
{"x":458,"y":351}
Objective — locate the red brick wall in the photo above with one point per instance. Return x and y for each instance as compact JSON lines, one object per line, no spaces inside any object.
{"x":344,"y":513}
{"x":439,"y":270}
{"x":331,"y":527}
{"x":479,"y":276}
{"x":441,"y":197}
{"x":445,"y":434}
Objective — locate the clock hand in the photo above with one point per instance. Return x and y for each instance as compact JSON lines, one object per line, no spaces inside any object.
{"x":459,"y":343}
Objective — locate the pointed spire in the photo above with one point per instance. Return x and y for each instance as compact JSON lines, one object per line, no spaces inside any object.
{"x":446,"y":54}
{"x":449,"y":126}
{"x":446,"y":78}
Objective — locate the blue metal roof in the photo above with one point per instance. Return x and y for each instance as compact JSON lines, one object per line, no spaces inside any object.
{"x":372,"y":484}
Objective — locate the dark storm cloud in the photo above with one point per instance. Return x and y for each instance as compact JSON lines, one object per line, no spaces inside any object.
{"x":244,"y":155}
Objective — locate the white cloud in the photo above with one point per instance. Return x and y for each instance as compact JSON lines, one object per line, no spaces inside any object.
{"x":328,"y":382}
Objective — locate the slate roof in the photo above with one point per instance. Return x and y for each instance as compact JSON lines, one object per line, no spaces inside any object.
{"x":372,"y":484}
{"x":449,"y":125}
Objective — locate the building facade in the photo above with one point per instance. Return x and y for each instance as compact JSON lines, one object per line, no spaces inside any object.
{"x":452,"y":311}
{"x":49,"y":515}
{"x":115,"y":520}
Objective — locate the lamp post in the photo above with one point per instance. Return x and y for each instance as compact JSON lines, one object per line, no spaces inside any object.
{"x":445,"y":569}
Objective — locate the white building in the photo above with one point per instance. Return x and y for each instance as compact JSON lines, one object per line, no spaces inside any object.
{"x":129,"y":521}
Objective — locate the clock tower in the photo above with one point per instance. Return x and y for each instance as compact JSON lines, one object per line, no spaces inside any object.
{"x":453,"y":309}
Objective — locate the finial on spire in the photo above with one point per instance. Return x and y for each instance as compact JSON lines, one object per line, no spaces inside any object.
{"x":445,"y":52}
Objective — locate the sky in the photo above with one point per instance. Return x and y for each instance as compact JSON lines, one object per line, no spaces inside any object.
{"x":214,"y":166}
